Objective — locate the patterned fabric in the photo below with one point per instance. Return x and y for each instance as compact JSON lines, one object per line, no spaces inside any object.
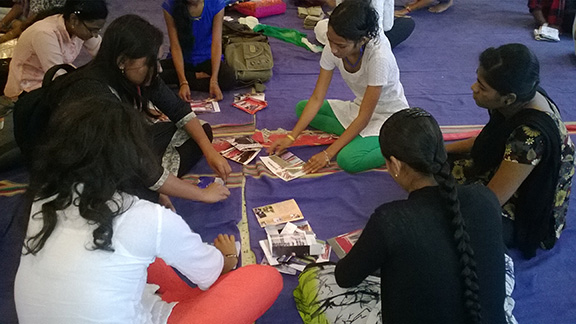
{"x":553,"y":10}
{"x":509,"y":302}
{"x":319,"y":299}
{"x":525,"y":146}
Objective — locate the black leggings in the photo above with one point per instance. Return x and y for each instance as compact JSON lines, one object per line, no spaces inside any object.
{"x":226,"y":75}
{"x":402,"y":28}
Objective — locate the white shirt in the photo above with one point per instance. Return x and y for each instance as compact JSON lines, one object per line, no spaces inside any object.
{"x":68,"y":282}
{"x":378,"y":68}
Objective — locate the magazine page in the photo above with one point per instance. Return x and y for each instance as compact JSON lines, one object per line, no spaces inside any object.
{"x":225,"y":147}
{"x":278,"y":213}
{"x":286,"y":166}
{"x":242,"y":157}
{"x":204,"y":106}
{"x":250,"y":105}
{"x":342,"y":244}
{"x":254,"y":95}
{"x":244,"y":143}
{"x":306,"y":138}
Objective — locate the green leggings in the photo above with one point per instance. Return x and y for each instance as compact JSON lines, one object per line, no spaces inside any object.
{"x":362,"y":153}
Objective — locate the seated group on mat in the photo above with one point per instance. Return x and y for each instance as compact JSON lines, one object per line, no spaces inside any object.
{"x":96,"y":236}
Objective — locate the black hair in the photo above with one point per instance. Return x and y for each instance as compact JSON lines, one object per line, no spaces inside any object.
{"x":413,"y":136}
{"x":512,"y":68}
{"x":183,"y":23}
{"x":94,"y":149}
{"x":355,"y":19}
{"x":85,"y":10}
{"x":129,"y":37}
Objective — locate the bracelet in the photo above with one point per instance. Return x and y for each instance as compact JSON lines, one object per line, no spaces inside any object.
{"x":408,"y":9}
{"x":183,"y":83}
{"x":291,"y":137}
{"x":231,"y":256}
{"x":327,"y":157}
{"x":213,"y":81}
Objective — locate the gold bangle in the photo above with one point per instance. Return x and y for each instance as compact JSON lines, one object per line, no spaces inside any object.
{"x":183,"y":83}
{"x":291,"y":137}
{"x":231,"y":256}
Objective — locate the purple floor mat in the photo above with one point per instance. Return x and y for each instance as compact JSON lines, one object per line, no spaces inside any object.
{"x":437,"y":65}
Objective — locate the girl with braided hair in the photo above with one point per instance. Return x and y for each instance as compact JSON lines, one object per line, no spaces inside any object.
{"x":439,"y":251}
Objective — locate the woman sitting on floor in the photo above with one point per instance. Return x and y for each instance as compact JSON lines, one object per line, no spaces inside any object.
{"x":126,"y":69}
{"x":195,"y":32}
{"x":524,"y":153}
{"x":90,"y":240}
{"x":438,"y":252}
{"x":54,"y":40}
{"x":369,"y":69}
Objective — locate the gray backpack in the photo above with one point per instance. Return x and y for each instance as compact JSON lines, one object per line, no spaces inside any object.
{"x":247,"y":52}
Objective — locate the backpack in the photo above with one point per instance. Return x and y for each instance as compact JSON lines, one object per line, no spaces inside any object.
{"x":247,"y":52}
{"x":32,"y":112}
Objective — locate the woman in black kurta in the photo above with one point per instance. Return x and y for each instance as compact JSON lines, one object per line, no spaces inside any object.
{"x":439,"y":252}
{"x":126,"y":69}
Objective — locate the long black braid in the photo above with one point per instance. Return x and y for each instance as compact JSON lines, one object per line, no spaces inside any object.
{"x":462,"y":239}
{"x":418,"y":126}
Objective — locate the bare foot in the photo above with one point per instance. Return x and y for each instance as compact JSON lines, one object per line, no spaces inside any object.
{"x":202,"y":75}
{"x":401,"y":13}
{"x":441,"y":7}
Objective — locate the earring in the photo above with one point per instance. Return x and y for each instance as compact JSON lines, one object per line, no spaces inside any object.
{"x":396,"y":175}
{"x":122,"y":70}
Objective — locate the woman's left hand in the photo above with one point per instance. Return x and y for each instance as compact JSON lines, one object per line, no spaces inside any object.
{"x":317,"y":162}
{"x":219,"y":164}
{"x":215,"y":91}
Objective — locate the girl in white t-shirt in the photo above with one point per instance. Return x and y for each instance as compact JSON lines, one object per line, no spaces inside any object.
{"x":90,"y":240}
{"x":369,"y":68}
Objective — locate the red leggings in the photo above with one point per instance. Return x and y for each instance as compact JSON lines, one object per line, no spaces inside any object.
{"x":240,"y":296}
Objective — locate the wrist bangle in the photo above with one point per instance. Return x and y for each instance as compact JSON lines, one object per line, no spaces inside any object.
{"x":231,"y":256}
{"x":183,"y":83}
{"x":214,"y":81}
{"x":327,"y":157}
{"x":291,"y":137}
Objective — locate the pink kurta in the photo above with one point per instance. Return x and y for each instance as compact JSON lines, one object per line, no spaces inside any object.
{"x":41,"y":46}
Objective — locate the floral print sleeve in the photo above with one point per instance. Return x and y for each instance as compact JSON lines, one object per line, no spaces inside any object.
{"x":525,"y":145}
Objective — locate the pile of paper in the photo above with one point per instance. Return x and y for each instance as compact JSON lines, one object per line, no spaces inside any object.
{"x":546,"y":33}
{"x":291,"y":246}
{"x":241,"y":149}
{"x":286,"y":166}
